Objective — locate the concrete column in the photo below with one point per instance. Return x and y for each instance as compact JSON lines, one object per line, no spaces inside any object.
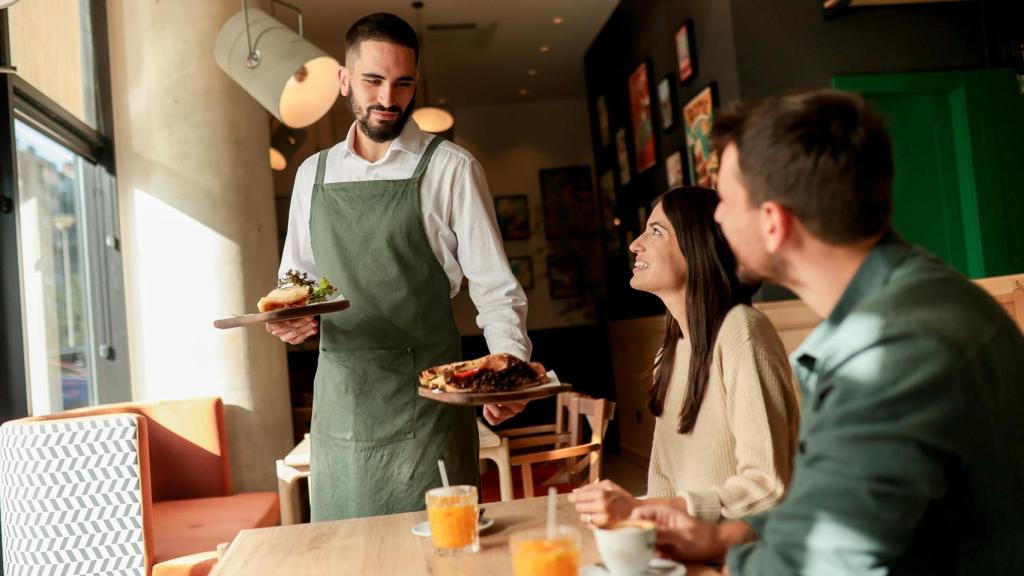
{"x":198,"y":224}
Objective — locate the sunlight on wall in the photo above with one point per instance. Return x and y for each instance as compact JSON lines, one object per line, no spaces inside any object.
{"x":179,"y":350}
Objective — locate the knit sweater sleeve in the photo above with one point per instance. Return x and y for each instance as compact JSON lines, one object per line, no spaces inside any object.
{"x":760,"y":406}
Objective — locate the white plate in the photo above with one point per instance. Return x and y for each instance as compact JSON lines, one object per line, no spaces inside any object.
{"x":657,"y":567}
{"x":423,"y":528}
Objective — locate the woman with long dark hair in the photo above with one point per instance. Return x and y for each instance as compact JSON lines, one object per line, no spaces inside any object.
{"x":722,"y":392}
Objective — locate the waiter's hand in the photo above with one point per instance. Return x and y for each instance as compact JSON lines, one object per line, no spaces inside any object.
{"x":293,"y":331}
{"x":497,"y":413}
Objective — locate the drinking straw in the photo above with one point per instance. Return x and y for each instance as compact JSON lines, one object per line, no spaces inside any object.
{"x":444,"y":475}
{"x":552,"y":497}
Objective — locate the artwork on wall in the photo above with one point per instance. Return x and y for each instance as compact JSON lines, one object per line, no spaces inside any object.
{"x":602,"y":120}
{"x":698,"y":114}
{"x":609,"y":220}
{"x":674,"y":169}
{"x":623,"y":155}
{"x":522,"y":269}
{"x":643,"y":128}
{"x":513,"y":217}
{"x":568,"y":195}
{"x":565,"y":277}
{"x":667,"y":103}
{"x":684,"y":52}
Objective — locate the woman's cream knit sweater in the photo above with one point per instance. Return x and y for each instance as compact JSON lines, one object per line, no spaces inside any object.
{"x":739,"y":456}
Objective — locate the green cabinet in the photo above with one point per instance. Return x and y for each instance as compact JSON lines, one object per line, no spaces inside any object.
{"x":958,"y":148}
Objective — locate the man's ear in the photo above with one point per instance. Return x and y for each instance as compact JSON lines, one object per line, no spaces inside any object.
{"x":776,"y":225}
{"x":343,"y":81}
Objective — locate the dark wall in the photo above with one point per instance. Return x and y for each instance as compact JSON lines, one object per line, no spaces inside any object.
{"x":795,"y":47}
{"x":639,"y":31}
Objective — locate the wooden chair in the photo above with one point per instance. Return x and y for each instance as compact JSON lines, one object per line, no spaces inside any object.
{"x":563,"y":439}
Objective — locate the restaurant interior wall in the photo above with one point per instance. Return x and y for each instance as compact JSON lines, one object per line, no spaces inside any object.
{"x":197,"y":210}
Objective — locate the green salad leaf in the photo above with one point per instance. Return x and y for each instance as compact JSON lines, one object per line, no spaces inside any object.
{"x":318,"y":291}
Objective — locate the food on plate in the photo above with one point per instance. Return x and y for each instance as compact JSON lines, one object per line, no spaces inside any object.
{"x":295,"y":289}
{"x":492,"y":373}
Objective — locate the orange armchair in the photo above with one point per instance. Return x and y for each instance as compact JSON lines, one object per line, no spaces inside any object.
{"x":123,"y":486}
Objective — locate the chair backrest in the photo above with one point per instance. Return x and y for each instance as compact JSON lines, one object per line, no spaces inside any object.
{"x":75,"y":496}
{"x":187,"y":444}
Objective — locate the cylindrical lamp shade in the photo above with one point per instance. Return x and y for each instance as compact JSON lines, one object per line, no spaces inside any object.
{"x":296,"y":81}
{"x":433,"y":120}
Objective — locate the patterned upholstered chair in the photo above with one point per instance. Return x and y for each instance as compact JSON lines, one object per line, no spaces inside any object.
{"x":122,"y":489}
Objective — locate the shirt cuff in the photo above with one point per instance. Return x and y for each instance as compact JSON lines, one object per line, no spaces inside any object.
{"x":703,"y":505}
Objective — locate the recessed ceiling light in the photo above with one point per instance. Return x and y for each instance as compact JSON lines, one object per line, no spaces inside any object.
{"x":617,"y":221}
{"x":545,"y":48}
{"x":523,"y":91}
{"x":531,"y":72}
{"x":557,"y":20}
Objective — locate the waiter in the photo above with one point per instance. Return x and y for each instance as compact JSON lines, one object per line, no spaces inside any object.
{"x":394,"y":217}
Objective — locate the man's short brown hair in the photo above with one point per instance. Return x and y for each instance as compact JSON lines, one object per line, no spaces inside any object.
{"x":824,"y":155}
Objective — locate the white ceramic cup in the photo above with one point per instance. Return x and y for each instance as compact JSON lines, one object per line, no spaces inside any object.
{"x":626,"y":547}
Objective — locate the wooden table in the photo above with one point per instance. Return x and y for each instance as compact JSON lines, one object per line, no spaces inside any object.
{"x":385,"y":545}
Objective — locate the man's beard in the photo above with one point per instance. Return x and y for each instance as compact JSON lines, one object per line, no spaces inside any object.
{"x":772,"y":270}
{"x":385,"y":132}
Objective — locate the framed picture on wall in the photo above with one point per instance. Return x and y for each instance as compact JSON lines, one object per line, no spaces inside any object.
{"x":643,"y":125}
{"x":522,"y":269}
{"x":684,"y":52}
{"x":568,"y":195}
{"x":565,"y":277}
{"x":609,"y":218}
{"x":698,"y":113}
{"x":513,"y":217}
{"x":666,"y":103}
{"x":623,"y":155}
{"x":674,"y":169}
{"x":602,"y":120}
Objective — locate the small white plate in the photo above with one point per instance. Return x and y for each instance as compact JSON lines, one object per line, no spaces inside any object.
{"x":423,"y":528}
{"x":657,"y":567}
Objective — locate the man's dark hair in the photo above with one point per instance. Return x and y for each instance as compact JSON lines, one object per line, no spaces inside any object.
{"x":382,"y":27}
{"x":824,"y":155}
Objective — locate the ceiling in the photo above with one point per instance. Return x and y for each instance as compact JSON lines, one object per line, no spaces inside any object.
{"x":478,"y":52}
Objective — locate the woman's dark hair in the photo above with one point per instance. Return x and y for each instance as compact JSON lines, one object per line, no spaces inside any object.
{"x":712,"y":289}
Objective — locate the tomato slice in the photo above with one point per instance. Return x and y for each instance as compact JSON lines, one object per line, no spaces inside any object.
{"x":467,"y":373}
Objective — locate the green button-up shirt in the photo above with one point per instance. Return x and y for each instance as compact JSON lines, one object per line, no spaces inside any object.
{"x":911,"y":453}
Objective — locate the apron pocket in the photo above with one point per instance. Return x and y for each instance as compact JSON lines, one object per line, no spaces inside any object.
{"x":365,"y":395}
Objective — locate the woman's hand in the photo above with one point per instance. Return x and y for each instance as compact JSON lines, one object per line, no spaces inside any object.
{"x":603,"y":503}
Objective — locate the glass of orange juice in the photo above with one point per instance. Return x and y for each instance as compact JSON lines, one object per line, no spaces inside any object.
{"x":452,"y":512}
{"x":535,"y":554}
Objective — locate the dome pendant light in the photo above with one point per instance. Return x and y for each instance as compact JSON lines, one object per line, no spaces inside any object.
{"x":429,"y":118}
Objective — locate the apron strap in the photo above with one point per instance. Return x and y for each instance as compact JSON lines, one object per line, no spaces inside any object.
{"x":422,"y":166}
{"x":321,"y":167}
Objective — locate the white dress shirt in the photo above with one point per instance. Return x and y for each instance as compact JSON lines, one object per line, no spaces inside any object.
{"x":458,"y":217}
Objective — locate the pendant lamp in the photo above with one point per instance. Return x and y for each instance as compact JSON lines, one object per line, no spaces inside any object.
{"x":293,"y":79}
{"x":283,"y":144}
{"x":429,"y":118}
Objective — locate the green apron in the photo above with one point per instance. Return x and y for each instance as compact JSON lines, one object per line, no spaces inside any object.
{"x":375,"y":442}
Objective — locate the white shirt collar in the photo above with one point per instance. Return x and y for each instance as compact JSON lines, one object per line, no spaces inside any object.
{"x":412,"y":140}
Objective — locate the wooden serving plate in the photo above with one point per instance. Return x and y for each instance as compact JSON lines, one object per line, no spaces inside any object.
{"x":552,"y":388}
{"x":335,"y":305}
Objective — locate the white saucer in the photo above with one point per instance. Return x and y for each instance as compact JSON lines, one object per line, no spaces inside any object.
{"x":657,"y":567}
{"x":423,"y":528}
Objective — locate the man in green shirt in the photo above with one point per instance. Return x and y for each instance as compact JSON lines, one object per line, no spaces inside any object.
{"x":911,"y":452}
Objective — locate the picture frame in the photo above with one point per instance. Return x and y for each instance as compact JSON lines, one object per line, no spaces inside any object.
{"x":609,"y":213}
{"x":568,"y":196}
{"x":513,"y":214}
{"x":698,"y":115}
{"x":565,"y":277}
{"x":667,"y":103}
{"x":640,"y":113}
{"x":522,"y":269}
{"x":683,"y":40}
{"x":602,"y":121}
{"x":674,"y":169}
{"x":623,"y":156}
